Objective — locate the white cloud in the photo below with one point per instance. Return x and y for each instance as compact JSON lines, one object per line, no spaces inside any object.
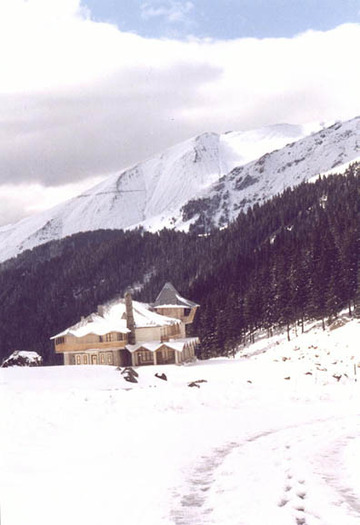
{"x":22,"y":200}
{"x":172,"y":11}
{"x":80,"y":99}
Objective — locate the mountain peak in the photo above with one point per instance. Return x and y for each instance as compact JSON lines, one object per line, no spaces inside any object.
{"x":225,"y":172}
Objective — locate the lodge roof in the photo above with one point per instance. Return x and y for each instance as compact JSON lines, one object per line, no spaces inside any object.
{"x":112,"y":318}
{"x":169,"y":297}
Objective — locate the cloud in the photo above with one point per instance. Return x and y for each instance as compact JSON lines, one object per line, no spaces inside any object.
{"x":172,"y":11}
{"x":60,"y":136}
{"x":81,"y":99}
{"x":24,"y":199}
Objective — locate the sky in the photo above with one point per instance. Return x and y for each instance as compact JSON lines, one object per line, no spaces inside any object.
{"x":90,"y":88}
{"x":224,"y":19}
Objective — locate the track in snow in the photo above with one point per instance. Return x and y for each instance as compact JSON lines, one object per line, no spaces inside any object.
{"x":302,"y":479}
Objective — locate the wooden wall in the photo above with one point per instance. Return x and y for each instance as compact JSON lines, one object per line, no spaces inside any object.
{"x":89,"y":342}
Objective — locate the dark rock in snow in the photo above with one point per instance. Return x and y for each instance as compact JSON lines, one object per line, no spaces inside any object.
{"x":130,"y":378}
{"x":130,"y":375}
{"x":197,"y":383}
{"x":130,"y":370}
{"x":161,"y":376}
{"x":22,"y":358}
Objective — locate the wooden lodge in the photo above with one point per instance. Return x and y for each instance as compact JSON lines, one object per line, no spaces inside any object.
{"x":124,"y":332}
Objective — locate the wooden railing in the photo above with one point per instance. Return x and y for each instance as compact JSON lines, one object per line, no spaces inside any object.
{"x":94,"y":345}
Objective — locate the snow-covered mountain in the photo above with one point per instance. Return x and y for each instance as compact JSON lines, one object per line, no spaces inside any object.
{"x":326,"y":151}
{"x":226,"y":172}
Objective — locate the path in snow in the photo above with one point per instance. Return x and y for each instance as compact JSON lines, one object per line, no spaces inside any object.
{"x":288,"y":476}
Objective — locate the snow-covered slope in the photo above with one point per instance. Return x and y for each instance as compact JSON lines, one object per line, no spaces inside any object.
{"x":153,"y":194}
{"x":327,"y":150}
{"x":270,"y":437}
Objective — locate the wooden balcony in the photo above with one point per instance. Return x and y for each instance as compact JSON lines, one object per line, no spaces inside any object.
{"x":80,"y":346}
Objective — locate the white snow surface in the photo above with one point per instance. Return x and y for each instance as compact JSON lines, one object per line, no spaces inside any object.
{"x":150,"y":194}
{"x":271,"y":436}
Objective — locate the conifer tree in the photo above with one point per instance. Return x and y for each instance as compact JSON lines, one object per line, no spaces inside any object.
{"x":357,"y":295}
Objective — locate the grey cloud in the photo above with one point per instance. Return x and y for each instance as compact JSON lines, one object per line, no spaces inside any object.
{"x":107,"y":125}
{"x":55,"y":138}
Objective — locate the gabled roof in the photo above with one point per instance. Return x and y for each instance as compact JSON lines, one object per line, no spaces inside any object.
{"x":113,"y":319}
{"x":174,"y":344}
{"x":169,"y":297}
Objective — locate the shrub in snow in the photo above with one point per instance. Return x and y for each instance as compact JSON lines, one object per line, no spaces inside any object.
{"x":22,"y":358}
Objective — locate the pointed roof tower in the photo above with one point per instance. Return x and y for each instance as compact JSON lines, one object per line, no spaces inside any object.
{"x":169,"y":297}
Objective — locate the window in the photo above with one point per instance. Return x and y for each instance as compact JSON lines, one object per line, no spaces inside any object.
{"x":101,"y":339}
{"x":85,"y":360}
{"x":187,"y":312}
{"x":102,"y":359}
{"x":60,"y":340}
{"x":78,"y":359}
{"x":110,"y":358}
{"x":120,"y":337}
{"x":108,"y":337}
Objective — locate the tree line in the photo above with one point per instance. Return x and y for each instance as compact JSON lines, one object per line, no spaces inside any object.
{"x":292,"y":258}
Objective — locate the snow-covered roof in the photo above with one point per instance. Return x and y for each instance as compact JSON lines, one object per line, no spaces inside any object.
{"x":174,"y":344}
{"x":113,"y":319}
{"x":95,"y":324}
{"x":169,"y":297}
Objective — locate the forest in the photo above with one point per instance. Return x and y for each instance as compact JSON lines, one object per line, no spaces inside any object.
{"x":293,"y":258}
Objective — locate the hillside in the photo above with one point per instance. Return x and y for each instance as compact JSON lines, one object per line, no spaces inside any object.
{"x":152,"y":194}
{"x":293,"y":258}
{"x":272,"y":173}
{"x":271,"y":436}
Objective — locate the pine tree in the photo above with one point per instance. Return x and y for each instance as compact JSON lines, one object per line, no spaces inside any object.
{"x":357,"y":294}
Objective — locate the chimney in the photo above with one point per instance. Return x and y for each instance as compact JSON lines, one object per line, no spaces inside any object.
{"x":130,"y":322}
{"x":100,"y":310}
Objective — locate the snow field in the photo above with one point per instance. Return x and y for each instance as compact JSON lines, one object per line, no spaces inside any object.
{"x":272,"y":437}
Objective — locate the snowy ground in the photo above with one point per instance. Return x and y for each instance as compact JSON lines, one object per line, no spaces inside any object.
{"x":272,"y":437}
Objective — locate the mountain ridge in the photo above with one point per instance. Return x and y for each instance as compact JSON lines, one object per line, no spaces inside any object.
{"x":244,"y":186}
{"x":219,"y":171}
